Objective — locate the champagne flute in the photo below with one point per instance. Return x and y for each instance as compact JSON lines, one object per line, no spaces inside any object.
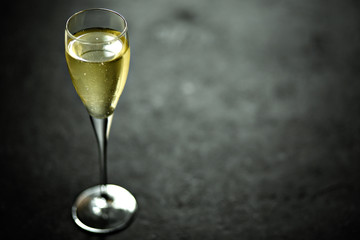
{"x":98,"y":57}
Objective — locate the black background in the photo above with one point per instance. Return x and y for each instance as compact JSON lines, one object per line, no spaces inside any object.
{"x":239,"y":120}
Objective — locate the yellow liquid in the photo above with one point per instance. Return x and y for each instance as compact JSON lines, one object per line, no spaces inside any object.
{"x":98,"y":70}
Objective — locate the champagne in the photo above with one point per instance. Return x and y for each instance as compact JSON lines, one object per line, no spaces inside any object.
{"x":98,"y":60}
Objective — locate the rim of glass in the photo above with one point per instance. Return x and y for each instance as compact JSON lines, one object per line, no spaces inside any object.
{"x":91,"y":9}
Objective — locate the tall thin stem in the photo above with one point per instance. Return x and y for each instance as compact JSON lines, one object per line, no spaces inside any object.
{"x":102,"y":130}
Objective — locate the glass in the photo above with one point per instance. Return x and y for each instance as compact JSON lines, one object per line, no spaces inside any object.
{"x":98,"y":56}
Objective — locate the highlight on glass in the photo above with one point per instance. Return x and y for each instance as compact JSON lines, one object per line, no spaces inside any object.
{"x":97,"y":53}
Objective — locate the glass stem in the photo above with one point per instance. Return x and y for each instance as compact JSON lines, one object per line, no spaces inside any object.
{"x":102,"y":129}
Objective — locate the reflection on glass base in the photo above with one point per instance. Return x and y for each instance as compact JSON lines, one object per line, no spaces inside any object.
{"x":104,"y":208}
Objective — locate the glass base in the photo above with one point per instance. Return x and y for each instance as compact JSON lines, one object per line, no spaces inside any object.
{"x":104,"y":208}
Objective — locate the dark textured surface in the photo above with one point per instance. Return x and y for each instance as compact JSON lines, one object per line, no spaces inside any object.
{"x":240,"y":120}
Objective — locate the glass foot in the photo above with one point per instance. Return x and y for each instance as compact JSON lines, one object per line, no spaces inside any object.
{"x":104,"y":208}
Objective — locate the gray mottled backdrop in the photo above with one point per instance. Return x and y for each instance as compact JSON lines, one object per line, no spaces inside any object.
{"x":239,"y":120}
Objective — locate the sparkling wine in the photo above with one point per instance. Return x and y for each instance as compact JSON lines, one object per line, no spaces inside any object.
{"x":98,"y":61}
